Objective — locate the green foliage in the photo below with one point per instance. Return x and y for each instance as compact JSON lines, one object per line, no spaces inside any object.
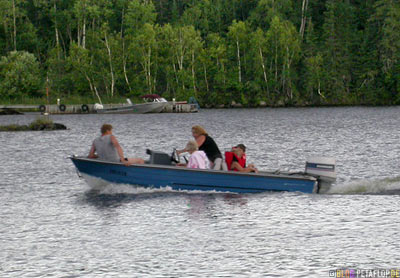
{"x":266,"y":10}
{"x":282,"y":52}
{"x":138,"y":14}
{"x":42,"y":121}
{"x":388,"y":18}
{"x":20,"y":75}
{"x":339,"y":35}
{"x":282,"y":42}
{"x":314,"y":79}
{"x":14,"y":127}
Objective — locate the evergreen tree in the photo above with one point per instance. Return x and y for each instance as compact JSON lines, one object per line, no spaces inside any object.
{"x":339,"y":30}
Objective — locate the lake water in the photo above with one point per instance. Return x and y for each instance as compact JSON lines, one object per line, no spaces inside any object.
{"x":52,"y":225}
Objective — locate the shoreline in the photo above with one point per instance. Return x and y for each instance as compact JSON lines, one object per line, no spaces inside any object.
{"x":9,"y":110}
{"x":62,"y":108}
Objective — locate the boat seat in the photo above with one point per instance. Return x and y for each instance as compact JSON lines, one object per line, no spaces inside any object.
{"x":220,"y":164}
{"x":224,"y":166}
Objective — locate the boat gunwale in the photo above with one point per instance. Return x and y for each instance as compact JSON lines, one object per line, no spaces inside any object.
{"x":209,"y":171}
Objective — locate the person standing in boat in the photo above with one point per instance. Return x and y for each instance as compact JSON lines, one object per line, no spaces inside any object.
{"x":106,"y":147}
{"x":208,"y":145}
{"x":236,"y":160}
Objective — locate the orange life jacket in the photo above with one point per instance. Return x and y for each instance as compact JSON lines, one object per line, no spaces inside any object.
{"x":229,"y":159}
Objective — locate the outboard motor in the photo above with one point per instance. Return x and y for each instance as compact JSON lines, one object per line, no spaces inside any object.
{"x":324,"y":169}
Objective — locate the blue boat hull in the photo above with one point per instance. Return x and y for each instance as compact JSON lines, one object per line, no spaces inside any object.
{"x":180,"y":178}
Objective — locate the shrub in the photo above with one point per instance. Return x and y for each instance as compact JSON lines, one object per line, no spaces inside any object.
{"x":20,"y":76}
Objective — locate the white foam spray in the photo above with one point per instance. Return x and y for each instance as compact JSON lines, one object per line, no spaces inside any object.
{"x":367,"y":186}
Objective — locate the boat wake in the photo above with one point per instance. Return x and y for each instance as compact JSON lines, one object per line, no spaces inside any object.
{"x":117,"y":189}
{"x":114,"y":189}
{"x":102,"y":187}
{"x":386,"y":186}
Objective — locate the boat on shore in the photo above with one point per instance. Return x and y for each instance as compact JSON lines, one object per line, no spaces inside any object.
{"x":153,"y":103}
{"x":160,"y":171}
{"x":155,"y":106}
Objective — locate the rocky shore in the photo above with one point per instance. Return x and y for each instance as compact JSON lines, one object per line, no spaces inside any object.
{"x":39,"y":124}
{"x":10,"y":112}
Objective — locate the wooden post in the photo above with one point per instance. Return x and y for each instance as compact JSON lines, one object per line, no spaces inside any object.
{"x":47,"y":95}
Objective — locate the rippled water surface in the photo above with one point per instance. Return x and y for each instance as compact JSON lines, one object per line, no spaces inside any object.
{"x":52,"y":225}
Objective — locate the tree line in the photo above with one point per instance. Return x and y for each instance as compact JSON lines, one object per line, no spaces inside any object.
{"x":277,"y":52}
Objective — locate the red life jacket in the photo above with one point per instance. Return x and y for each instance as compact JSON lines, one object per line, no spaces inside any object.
{"x":229,"y":160}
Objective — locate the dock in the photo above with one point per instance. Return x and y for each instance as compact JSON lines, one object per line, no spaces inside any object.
{"x":171,"y":107}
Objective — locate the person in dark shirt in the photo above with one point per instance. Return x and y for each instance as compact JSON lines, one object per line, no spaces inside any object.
{"x":208,"y":145}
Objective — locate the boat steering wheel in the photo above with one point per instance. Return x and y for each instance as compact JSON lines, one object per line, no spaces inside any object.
{"x":175,"y":157}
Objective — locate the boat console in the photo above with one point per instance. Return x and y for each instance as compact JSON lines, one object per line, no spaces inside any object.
{"x":159,"y":158}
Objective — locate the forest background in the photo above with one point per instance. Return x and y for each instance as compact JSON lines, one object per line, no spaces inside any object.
{"x":275,"y":52}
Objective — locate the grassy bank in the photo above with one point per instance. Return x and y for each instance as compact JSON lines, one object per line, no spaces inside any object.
{"x":41,"y":123}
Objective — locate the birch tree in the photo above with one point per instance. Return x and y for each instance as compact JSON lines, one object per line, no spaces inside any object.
{"x":259,"y":44}
{"x":238,"y":34}
{"x":81,"y":63}
{"x":216,"y":52}
{"x":145,"y":51}
{"x":284,"y":48}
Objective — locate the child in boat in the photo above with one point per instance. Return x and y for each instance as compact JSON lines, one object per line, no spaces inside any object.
{"x":236,"y":160}
{"x":198,"y":159}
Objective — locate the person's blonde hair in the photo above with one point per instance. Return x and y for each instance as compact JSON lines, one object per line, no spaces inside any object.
{"x":192,"y":146}
{"x":105,"y":128}
{"x":199,"y":130}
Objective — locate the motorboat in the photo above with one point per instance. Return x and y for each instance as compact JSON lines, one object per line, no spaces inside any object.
{"x":154,"y":98}
{"x":161,"y":170}
{"x":139,"y":108}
